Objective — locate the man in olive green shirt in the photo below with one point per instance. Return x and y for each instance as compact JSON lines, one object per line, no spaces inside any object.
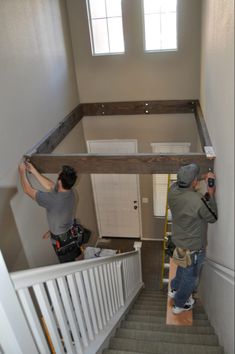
{"x":191,"y":213}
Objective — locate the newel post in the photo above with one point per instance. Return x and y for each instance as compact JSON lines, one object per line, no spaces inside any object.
{"x":15,"y":335}
{"x":137,"y":247}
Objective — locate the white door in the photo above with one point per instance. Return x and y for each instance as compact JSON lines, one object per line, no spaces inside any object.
{"x":116,"y":195}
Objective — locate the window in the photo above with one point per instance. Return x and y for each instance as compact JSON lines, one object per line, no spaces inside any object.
{"x":160,"y":24}
{"x":105,"y":24}
{"x":160,"y":181}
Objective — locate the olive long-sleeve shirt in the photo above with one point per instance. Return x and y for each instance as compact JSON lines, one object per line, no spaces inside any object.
{"x":191,"y":212}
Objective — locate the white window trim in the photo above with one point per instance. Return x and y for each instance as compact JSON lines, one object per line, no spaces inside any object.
{"x":89,"y":19}
{"x":144,"y":37}
{"x":159,"y":211}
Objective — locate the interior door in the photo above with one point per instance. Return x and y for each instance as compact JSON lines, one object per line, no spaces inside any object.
{"x":116,"y":195}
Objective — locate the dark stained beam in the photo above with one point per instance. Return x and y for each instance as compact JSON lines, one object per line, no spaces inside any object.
{"x":50,"y":141}
{"x":201,"y":125}
{"x":57,"y":134}
{"x":139,"y":107}
{"x":127,"y":164}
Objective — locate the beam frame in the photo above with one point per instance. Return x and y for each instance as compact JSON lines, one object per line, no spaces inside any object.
{"x":42,"y":156}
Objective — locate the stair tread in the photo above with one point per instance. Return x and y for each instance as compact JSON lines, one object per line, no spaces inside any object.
{"x":149,"y":313}
{"x":154,"y":319}
{"x":162,"y":311}
{"x":144,"y":330}
{"x":168,"y":337}
{"x":141,"y":346}
{"x":152,"y":302}
{"x":161,"y":306}
{"x":150,"y":307}
{"x":152,"y":297}
{"x":167,"y":328}
{"x":115,"y":351}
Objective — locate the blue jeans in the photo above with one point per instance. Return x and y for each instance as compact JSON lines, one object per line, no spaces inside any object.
{"x":186,"y":279}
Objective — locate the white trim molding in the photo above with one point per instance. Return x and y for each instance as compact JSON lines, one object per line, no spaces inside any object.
{"x":222,"y":271}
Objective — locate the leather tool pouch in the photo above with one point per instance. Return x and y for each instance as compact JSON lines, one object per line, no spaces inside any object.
{"x":182,"y":257}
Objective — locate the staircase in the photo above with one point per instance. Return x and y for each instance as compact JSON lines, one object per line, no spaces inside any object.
{"x":144,"y":330}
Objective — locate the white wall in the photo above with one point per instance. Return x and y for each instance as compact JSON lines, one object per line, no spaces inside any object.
{"x":217,"y":99}
{"x":137,"y":75}
{"x":37,"y":88}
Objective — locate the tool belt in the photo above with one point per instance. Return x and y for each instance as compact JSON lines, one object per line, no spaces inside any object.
{"x":67,"y":245}
{"x":182,"y":257}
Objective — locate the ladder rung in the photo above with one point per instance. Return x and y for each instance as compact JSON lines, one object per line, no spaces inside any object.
{"x":166,"y":265}
{"x":165,"y":281}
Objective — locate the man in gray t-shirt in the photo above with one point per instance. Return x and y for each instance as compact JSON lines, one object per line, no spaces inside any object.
{"x":59,"y":208}
{"x":59,"y":202}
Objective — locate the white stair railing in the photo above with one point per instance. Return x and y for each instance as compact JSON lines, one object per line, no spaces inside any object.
{"x":73,"y":307}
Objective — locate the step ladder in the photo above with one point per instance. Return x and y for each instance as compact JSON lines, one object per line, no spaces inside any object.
{"x":167,"y":234}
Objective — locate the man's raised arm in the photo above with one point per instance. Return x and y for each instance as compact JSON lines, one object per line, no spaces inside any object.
{"x":44,"y":181}
{"x":27,"y":188}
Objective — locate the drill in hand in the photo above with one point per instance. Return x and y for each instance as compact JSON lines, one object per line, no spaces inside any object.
{"x":211,"y":181}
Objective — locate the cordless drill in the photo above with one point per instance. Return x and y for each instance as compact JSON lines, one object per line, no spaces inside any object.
{"x":211,"y":181}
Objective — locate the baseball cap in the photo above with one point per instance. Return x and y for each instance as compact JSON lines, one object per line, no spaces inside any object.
{"x":187,"y":174}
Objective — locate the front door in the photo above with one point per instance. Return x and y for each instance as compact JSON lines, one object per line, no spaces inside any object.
{"x":116,"y":195}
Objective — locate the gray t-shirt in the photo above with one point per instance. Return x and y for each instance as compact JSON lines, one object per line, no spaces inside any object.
{"x":60,"y":207}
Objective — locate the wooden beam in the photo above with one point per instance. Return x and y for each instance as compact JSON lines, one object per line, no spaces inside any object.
{"x":57,"y":134}
{"x":201,"y":125}
{"x":139,"y":107}
{"x":124,"y":164}
{"x":50,"y":141}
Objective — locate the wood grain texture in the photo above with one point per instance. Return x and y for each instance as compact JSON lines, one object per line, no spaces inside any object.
{"x":49,"y":142}
{"x":140,"y":163}
{"x":124,"y":164}
{"x":139,"y":107}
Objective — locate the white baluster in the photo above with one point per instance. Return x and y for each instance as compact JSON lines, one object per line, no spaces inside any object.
{"x":95,"y":297}
{"x":137,"y":247}
{"x":69,"y":309}
{"x":83,"y":298}
{"x":60,"y":315}
{"x":33,"y":320}
{"x":100,"y":298}
{"x":120,"y":283}
{"x":116,"y":284}
{"x":108,"y":290}
{"x":125,"y":277}
{"x":132,"y":272}
{"x":48,"y":317}
{"x":90,"y":300}
{"x":104,"y":293}
{"x":78,"y":308}
{"x":113,"y":286}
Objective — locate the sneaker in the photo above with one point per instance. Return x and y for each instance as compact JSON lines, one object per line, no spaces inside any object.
{"x":171,"y":293}
{"x":190,"y":301}
{"x":177,"y":310}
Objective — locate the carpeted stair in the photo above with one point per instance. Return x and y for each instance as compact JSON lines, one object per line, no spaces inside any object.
{"x":144,"y":330}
